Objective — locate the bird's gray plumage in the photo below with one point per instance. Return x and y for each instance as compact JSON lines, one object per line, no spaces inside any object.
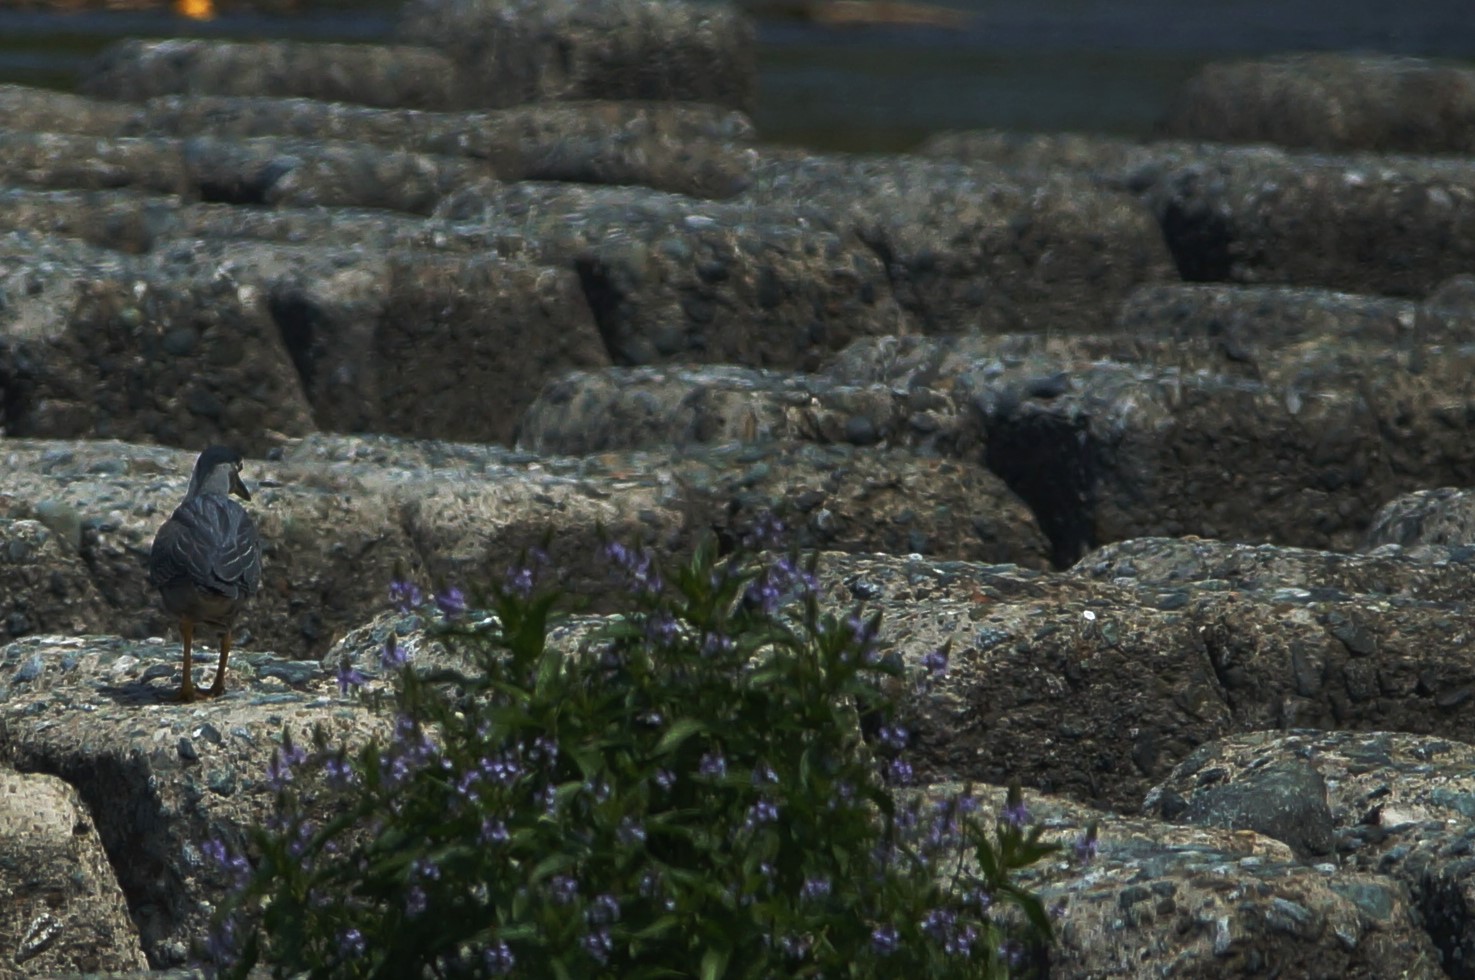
{"x":209,"y":543}
{"x":206,"y":558}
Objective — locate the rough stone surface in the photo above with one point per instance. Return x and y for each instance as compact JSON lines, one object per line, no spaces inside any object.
{"x":1096,"y":690}
{"x":101,"y":347}
{"x":1393,"y":804}
{"x":974,"y":248}
{"x":1227,"y":216}
{"x":45,"y":584}
{"x":1298,"y":447}
{"x":646,"y":408}
{"x":51,"y":160}
{"x":509,"y":51}
{"x":1360,"y":222}
{"x":158,"y":780}
{"x":680,"y":147}
{"x":466,"y":343}
{"x":1250,"y":319}
{"x":45,"y":110}
{"x":443,"y":513}
{"x":1433,"y":574}
{"x":1330,"y":102}
{"x":1439,"y":518}
{"x":60,"y":904}
{"x":676,"y":278}
{"x":368,"y":74}
{"x":285,"y":172}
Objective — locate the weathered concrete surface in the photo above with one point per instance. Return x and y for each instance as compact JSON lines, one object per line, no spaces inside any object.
{"x":686,"y":148}
{"x":224,"y":340}
{"x":43,"y":110}
{"x":368,"y":74}
{"x":1330,"y":102}
{"x":1442,"y":518}
{"x":1435,"y":575}
{"x":683,"y":147}
{"x":100,"y":346}
{"x":676,"y":278}
{"x":1360,"y":222}
{"x":158,"y":780}
{"x":1388,"y":803}
{"x":51,"y":160}
{"x":1096,"y":690}
{"x":975,"y":248}
{"x":81,"y":518}
{"x":60,"y":904}
{"x":650,"y":407}
{"x":1298,"y":447}
{"x":510,"y":52}
{"x":1247,"y":320}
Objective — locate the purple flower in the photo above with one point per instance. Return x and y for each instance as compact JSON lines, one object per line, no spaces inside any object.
{"x":763,"y":773}
{"x":1085,"y":846}
{"x":221,"y":941}
{"x":885,"y":940}
{"x":348,"y":677}
{"x":562,"y":889}
{"x":795,"y":947}
{"x":935,"y":662}
{"x":393,"y":656}
{"x":351,"y":944}
{"x":815,"y":888}
{"x":405,"y":596}
{"x":503,"y":770}
{"x":451,"y":602}
{"x":764,"y":811}
{"x":894,"y":737}
{"x":603,"y":908}
{"x":939,"y":923}
{"x":714,"y":644}
{"x":493,"y":831}
{"x":544,"y":748}
{"x":631,"y":831}
{"x":415,"y":901}
{"x":899,"y":772}
{"x":638,"y":567}
{"x":1016,"y":813}
{"x":961,"y":942}
{"x":665,"y":778}
{"x":520,"y":581}
{"x":599,"y":944}
{"x":340,"y":772}
{"x":234,"y":864}
{"x":498,"y":959}
{"x":713,"y":764}
{"x":279,"y":769}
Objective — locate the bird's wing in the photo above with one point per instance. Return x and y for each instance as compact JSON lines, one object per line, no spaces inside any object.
{"x":211,"y":541}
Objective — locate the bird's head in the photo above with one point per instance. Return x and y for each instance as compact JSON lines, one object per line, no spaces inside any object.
{"x":218,"y":471}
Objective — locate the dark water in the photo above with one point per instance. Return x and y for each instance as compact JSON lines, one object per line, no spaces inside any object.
{"x":1087,"y":65}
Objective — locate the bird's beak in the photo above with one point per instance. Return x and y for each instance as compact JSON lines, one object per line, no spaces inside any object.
{"x":237,"y":487}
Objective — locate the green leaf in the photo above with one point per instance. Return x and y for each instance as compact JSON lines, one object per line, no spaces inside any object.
{"x":679,"y":732}
{"x":714,"y":963}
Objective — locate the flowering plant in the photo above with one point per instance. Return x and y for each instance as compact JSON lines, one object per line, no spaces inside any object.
{"x":691,"y":793}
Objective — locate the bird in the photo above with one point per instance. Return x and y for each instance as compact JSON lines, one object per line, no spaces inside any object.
{"x":206,"y":559}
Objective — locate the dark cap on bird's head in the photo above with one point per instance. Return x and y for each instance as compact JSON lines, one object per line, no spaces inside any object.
{"x":223,"y":460}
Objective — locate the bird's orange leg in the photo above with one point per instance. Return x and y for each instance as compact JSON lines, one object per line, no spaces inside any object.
{"x":218,"y":688}
{"x":187,"y":692}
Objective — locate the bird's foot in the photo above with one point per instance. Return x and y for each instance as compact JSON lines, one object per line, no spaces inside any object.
{"x":216,"y":690}
{"x":188,"y":694}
